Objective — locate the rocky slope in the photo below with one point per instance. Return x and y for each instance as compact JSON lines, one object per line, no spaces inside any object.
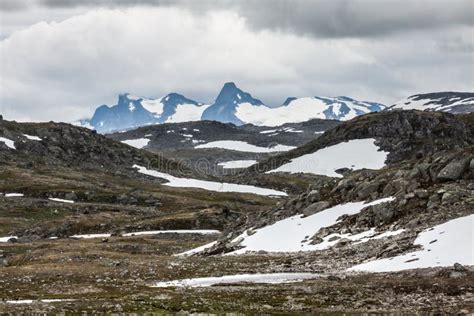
{"x":404,"y":134}
{"x":425,"y":190}
{"x":60,"y":144}
{"x":191,"y":134}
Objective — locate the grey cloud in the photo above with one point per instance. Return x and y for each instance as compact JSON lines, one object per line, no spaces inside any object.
{"x":324,"y":18}
{"x":90,"y":59}
{"x":14,"y":5}
{"x":457,"y":45}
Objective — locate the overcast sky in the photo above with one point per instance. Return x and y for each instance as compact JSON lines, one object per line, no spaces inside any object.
{"x":59,"y":60}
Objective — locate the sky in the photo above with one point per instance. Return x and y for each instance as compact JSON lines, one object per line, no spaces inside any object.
{"x":60,"y":59}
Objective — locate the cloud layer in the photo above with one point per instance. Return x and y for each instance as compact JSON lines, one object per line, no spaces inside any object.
{"x":322,"y":18}
{"x":63,"y":70}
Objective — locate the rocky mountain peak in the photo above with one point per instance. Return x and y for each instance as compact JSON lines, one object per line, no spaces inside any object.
{"x":176,"y":98}
{"x":230,"y":94}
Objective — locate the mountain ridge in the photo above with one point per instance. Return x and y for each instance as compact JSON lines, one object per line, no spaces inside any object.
{"x":232,"y":105}
{"x":446,"y":101}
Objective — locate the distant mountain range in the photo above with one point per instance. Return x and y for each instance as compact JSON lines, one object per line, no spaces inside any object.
{"x":232,"y":105}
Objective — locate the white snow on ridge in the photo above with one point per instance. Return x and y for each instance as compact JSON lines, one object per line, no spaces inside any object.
{"x":153,"y":106}
{"x":425,"y":103}
{"x":244,"y":146}
{"x":281,"y":130}
{"x":54,"y":300}
{"x":207,"y":185}
{"x":61,"y":200}
{"x":268,"y":278}
{"x":91,"y":236}
{"x":443,"y":245}
{"x":410,"y":104}
{"x":14,"y":195}
{"x":187,"y":113}
{"x":150,"y":232}
{"x":235,"y":164}
{"x":137,"y":143}
{"x":196,"y":250}
{"x":179,"y":231}
{"x":269,"y":131}
{"x":10,"y":144}
{"x":292,"y":234}
{"x":354,"y":154}
{"x":298,"y":110}
{"x":362,"y":237}
{"x":32,"y":137}
{"x":7,"y":238}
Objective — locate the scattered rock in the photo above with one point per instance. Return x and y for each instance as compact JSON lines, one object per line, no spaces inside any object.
{"x":316,"y":208}
{"x":453,"y":170}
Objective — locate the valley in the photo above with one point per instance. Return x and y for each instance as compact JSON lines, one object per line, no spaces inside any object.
{"x":94,"y":222}
{"x":244,"y":157}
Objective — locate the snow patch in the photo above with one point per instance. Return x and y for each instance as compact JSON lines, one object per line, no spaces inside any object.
{"x":137,"y":143}
{"x":14,"y":194}
{"x":187,"y":113}
{"x":32,"y":137}
{"x":179,"y":231}
{"x":292,"y":234}
{"x":443,"y":245}
{"x":7,"y":238}
{"x":151,"y":232}
{"x":61,"y":200}
{"x":10,"y":144}
{"x":237,"y":164}
{"x":268,"y":278}
{"x":207,"y":185}
{"x":55,"y":300}
{"x":244,"y":146}
{"x":354,"y":154}
{"x":91,"y":236}
{"x":196,"y":250}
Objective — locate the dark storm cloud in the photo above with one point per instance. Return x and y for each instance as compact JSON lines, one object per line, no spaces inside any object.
{"x":327,"y":18}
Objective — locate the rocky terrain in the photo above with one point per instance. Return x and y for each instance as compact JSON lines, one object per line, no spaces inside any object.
{"x":97,"y":174}
{"x":404,"y":134}
{"x":70,"y":180}
{"x":451,"y":102}
{"x":181,"y":141}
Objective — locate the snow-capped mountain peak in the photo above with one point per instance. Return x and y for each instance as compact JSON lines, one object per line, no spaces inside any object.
{"x":304,"y":108}
{"x":135,"y":111}
{"x":229,"y":99}
{"x":232,"y":105}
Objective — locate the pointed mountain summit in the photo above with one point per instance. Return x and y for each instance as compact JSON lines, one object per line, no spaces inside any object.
{"x":227,"y":103}
{"x":128,"y":112}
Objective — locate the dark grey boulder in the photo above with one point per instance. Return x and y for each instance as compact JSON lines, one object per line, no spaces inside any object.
{"x":315,"y":208}
{"x":454,"y":170}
